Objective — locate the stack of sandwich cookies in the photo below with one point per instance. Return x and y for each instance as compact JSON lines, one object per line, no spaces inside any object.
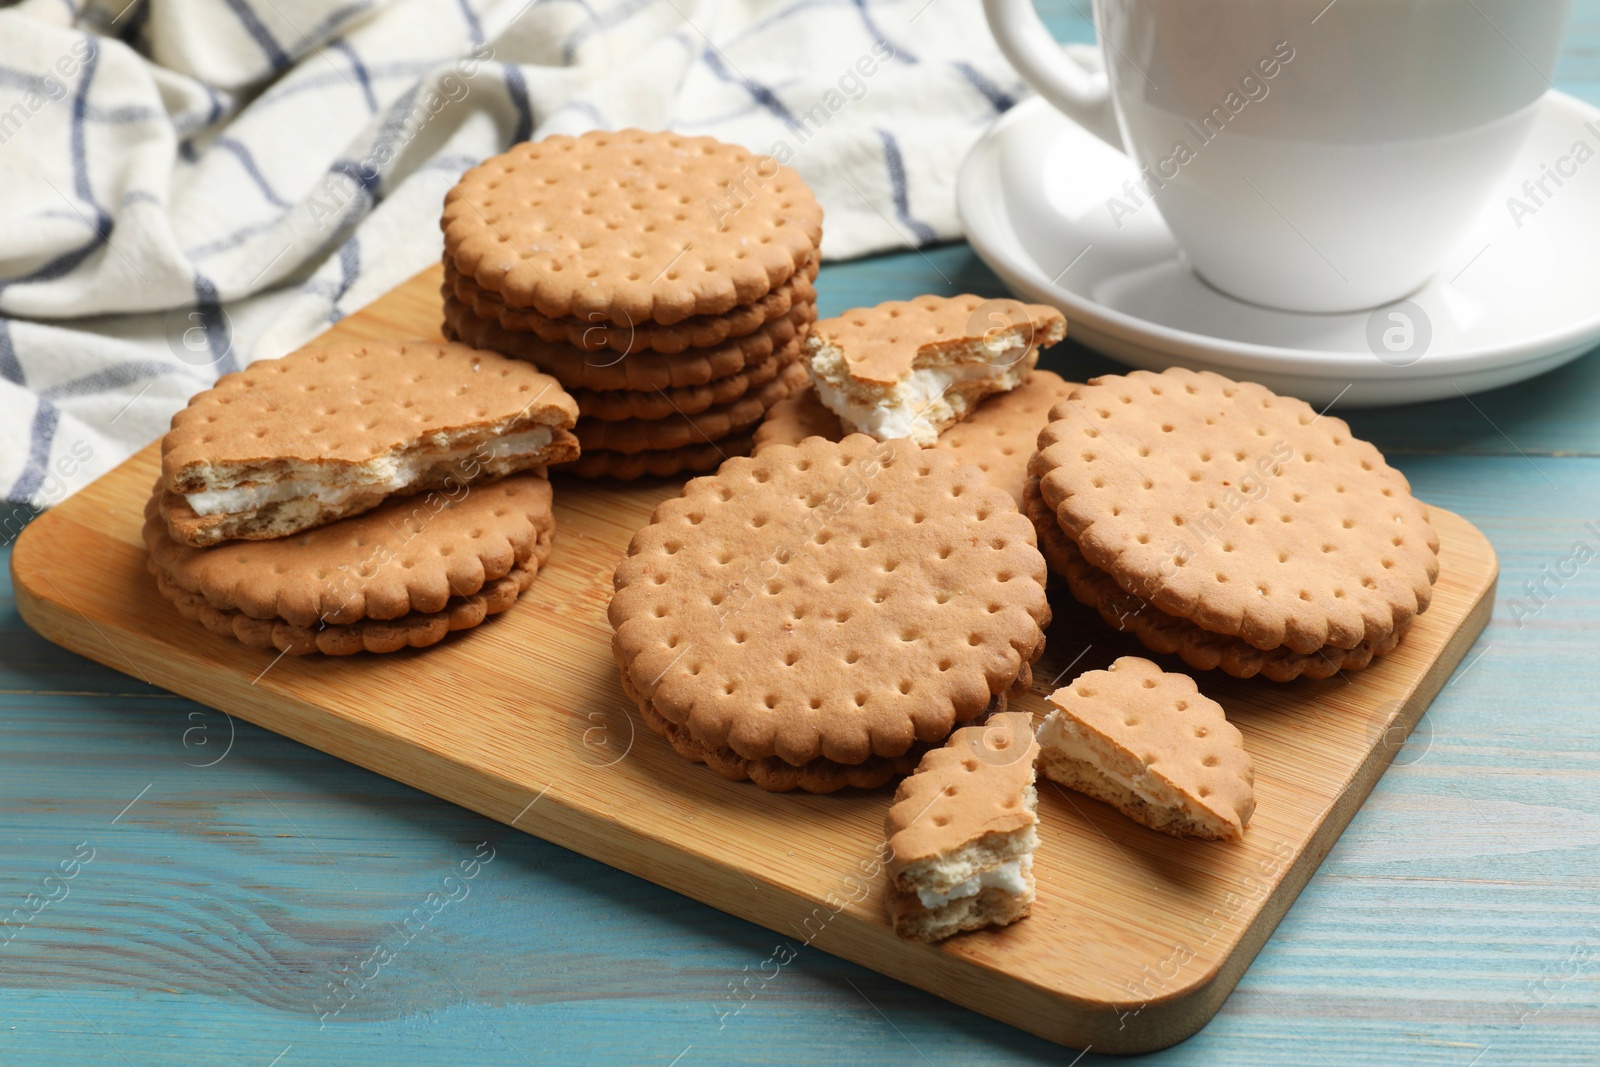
{"x":963,"y":830}
{"x":1172,"y":635}
{"x":402,"y":575}
{"x":358,"y":497}
{"x":666,"y":280}
{"x":997,"y":436}
{"x":817,"y":615}
{"x":912,"y":368}
{"x":321,"y":434}
{"x":1152,"y":746}
{"x":1237,"y":528}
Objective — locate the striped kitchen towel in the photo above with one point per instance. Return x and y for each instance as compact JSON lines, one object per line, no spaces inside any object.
{"x":188,"y":185}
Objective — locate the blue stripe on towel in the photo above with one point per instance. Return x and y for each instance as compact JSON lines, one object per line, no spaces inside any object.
{"x":517,"y":90}
{"x":259,"y":33}
{"x":248,"y":162}
{"x":46,"y":417}
{"x":892,"y":159}
{"x":359,"y":69}
{"x":998,"y":98}
{"x":219,"y":332}
{"x":10,"y":366}
{"x":762,"y":95}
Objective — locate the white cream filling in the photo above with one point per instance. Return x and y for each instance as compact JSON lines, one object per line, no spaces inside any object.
{"x":1008,"y":876}
{"x":900,"y":409}
{"x":1055,"y":736}
{"x":387,"y":474}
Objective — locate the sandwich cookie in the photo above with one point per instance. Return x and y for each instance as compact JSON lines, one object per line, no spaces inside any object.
{"x":1150,"y":745}
{"x":963,"y":830}
{"x":329,"y":432}
{"x":825,"y":606}
{"x":1246,"y":513}
{"x":630,"y":227}
{"x":1170,"y":635}
{"x":401,"y":575}
{"x":911,"y":368}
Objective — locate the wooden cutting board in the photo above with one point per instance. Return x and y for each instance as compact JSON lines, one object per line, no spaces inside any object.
{"x":1136,"y":938}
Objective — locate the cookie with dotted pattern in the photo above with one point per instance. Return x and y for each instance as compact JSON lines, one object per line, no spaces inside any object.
{"x":595,"y":334}
{"x":630,"y":226}
{"x":1245,"y":512}
{"x":962,"y":832}
{"x":333,"y":430}
{"x":830,"y":600}
{"x":1170,"y":635}
{"x":389,"y":578}
{"x":1151,"y":745}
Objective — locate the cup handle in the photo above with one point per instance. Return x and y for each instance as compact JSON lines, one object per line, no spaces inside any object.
{"x":1073,"y":79}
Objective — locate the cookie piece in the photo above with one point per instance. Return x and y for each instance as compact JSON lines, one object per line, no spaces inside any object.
{"x":682,"y":430}
{"x":593,"y":334}
{"x":1152,"y":746}
{"x":962,"y":832}
{"x":627,"y":466}
{"x":618,"y":405}
{"x":911,"y":368}
{"x":997,"y":437}
{"x":839,"y":601}
{"x":630,"y":226}
{"x":410,"y":555}
{"x":1238,"y":509}
{"x":331,"y":431}
{"x":1170,"y":635}
{"x":575,"y":368}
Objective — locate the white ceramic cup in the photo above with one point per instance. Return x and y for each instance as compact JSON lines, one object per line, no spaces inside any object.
{"x":1307,"y":155}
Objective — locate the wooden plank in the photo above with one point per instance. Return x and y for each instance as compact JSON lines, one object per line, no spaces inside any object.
{"x":1136,"y":939}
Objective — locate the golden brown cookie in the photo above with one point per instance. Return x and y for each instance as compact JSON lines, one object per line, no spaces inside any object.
{"x":641,"y":371}
{"x":630,"y":226}
{"x":627,"y":466}
{"x":1151,"y":745}
{"x":821,"y":775}
{"x":417,"y":629}
{"x":839,"y":601}
{"x":410,"y":555}
{"x":593,"y":334}
{"x":683,"y":430}
{"x":331,"y":431}
{"x":1238,"y":509}
{"x":962,"y":832}
{"x":912,"y":368}
{"x":1170,"y":635}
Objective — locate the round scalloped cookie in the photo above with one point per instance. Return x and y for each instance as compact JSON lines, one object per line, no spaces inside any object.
{"x":410,"y":554}
{"x":1170,"y":635}
{"x":830,"y":600}
{"x":630,"y":226}
{"x":1243,"y":511}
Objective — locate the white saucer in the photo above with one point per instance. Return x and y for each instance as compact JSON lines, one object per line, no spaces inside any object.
{"x":1512,"y":302}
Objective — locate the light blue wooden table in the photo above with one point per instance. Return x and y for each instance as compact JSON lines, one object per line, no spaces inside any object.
{"x":221,"y":878}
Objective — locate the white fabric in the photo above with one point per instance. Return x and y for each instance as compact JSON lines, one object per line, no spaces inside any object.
{"x":189,"y":185}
